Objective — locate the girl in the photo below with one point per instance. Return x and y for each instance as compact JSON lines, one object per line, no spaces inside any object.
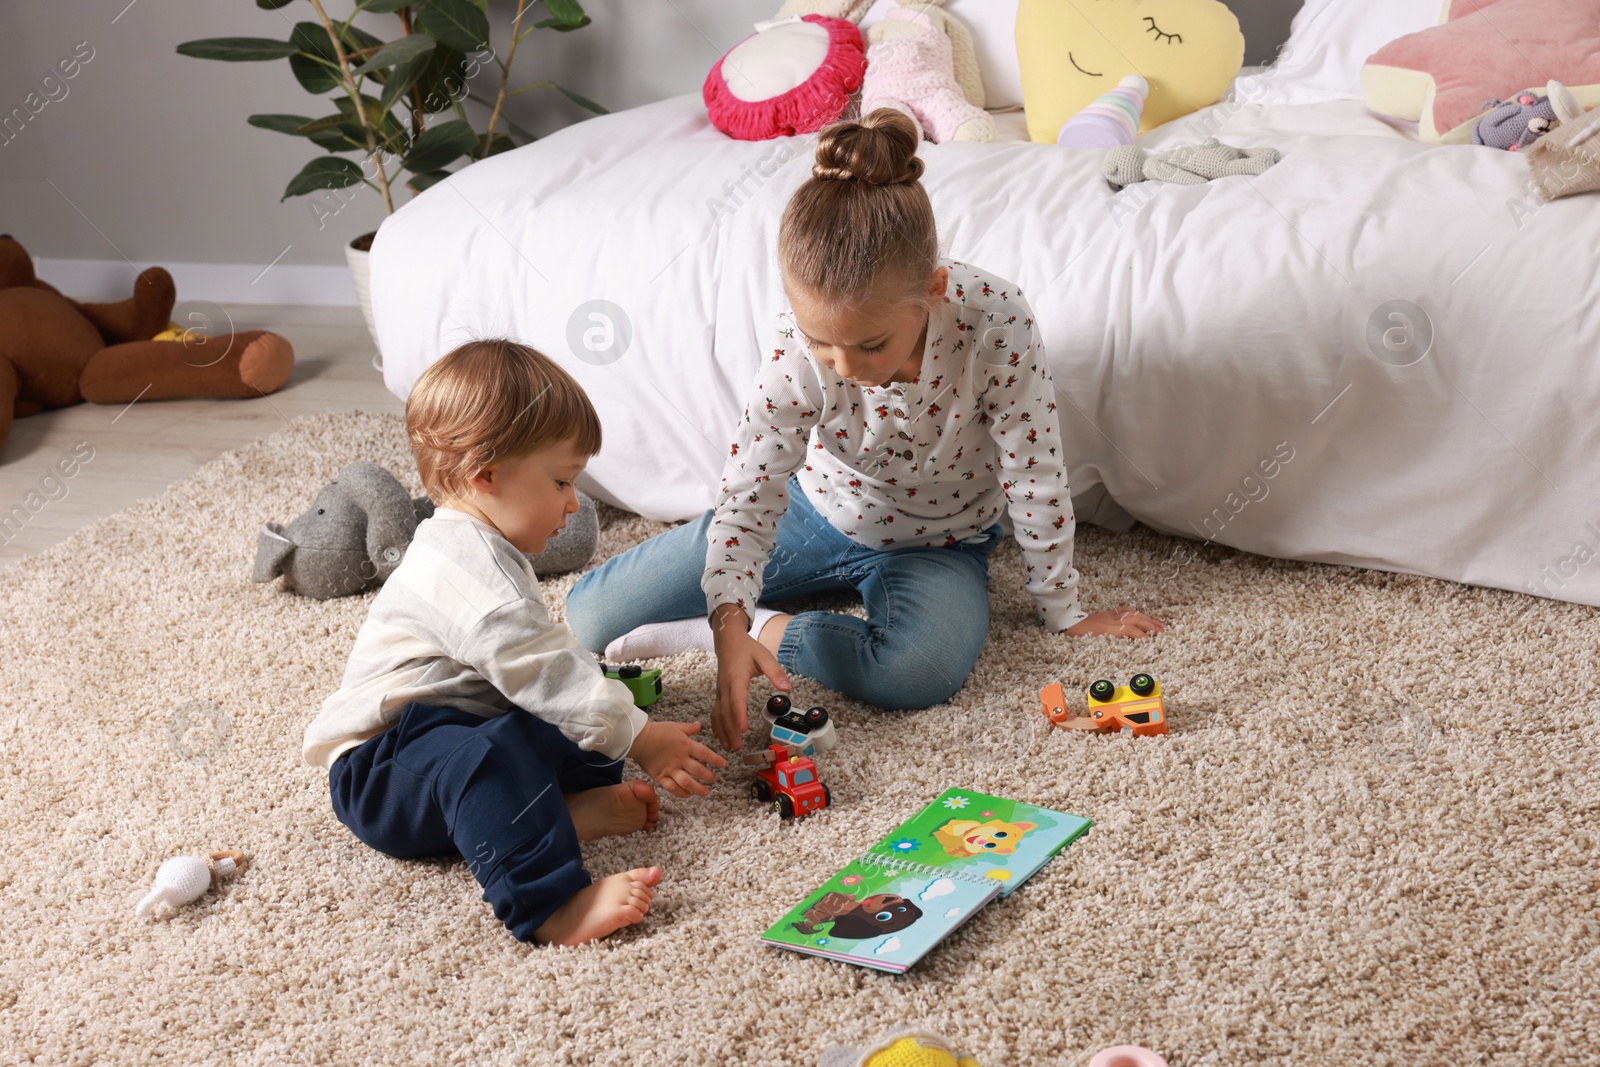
{"x":905,"y":402}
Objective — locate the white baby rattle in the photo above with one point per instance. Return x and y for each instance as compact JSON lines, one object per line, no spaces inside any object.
{"x":186,"y":878}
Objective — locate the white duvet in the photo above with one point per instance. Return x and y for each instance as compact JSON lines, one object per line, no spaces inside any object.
{"x":1377,"y":353}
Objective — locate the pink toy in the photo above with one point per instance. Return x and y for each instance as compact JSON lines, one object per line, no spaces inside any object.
{"x":1111,"y":121}
{"x":793,"y":75}
{"x":1126,"y":1056}
{"x":911,"y":68}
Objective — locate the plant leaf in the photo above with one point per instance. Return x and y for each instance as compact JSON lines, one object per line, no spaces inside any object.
{"x":501,"y":142}
{"x":324,"y":172}
{"x":419,"y":182}
{"x":289,"y":124}
{"x":582,"y":101}
{"x":404,"y":76}
{"x":566,"y":13}
{"x":346,"y":138}
{"x":443,"y":80}
{"x":389,"y":7}
{"x":326,"y":122}
{"x":238,"y":49}
{"x":272,"y":5}
{"x":383,"y":123}
{"x":460,"y":24}
{"x":396,"y":52}
{"x":439,"y":145}
{"x":312,"y":44}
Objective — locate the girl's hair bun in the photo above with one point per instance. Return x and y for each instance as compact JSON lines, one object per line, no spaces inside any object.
{"x":881,"y":149}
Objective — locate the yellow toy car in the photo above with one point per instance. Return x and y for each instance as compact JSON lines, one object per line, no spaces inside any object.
{"x":1136,"y":708}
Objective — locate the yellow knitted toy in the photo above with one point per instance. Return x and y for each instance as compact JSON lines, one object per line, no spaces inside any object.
{"x":901,"y":1047}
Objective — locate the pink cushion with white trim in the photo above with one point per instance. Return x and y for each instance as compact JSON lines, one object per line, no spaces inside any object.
{"x":790,"y":76}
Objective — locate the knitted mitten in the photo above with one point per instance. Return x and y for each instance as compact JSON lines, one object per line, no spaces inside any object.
{"x":1193,"y":165}
{"x":909,"y":67}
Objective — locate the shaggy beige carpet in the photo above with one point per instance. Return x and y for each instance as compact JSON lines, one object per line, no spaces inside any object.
{"x":1369,"y":839}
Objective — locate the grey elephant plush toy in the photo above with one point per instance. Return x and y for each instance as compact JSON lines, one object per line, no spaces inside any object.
{"x":357,"y":530}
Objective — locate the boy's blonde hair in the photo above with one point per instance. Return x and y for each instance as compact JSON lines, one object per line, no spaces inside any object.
{"x":863,"y":217}
{"x":491,"y":400}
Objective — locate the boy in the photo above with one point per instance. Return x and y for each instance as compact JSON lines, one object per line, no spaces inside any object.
{"x":467,"y":722}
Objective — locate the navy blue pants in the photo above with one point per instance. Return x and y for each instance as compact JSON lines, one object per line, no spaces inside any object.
{"x":443,"y":782}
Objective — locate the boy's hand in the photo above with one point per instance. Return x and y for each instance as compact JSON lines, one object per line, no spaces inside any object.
{"x":740,"y":658}
{"x":1121,"y":622}
{"x":682,"y":765}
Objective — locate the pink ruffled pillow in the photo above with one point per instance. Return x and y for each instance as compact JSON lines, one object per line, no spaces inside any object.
{"x":1484,"y":50}
{"x":790,"y":76}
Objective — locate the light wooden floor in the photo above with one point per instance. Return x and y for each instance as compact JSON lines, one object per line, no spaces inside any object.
{"x":141,"y":450}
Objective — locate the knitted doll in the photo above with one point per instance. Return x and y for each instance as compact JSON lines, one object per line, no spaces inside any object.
{"x":911,"y":68}
{"x":963,"y":53}
{"x":1185,"y":166}
{"x":185,"y":878}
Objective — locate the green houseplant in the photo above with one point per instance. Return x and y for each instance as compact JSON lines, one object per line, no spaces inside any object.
{"x":398,"y":105}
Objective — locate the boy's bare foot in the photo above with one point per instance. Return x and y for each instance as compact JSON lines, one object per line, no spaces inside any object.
{"x":602,"y":908}
{"x":614,"y":809}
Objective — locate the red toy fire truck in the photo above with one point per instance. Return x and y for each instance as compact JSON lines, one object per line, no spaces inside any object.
{"x":788,"y":783}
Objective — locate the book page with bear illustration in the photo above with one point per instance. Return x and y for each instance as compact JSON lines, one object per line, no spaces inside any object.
{"x":983,"y":837}
{"x":879,"y":914}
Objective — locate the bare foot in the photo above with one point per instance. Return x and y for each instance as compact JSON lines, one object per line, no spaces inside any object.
{"x":613,"y":810}
{"x":602,"y":908}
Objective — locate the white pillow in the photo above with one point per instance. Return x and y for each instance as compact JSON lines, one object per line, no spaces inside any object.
{"x":993,"y":24}
{"x":1328,"y":44}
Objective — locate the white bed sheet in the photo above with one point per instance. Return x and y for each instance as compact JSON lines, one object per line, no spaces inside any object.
{"x":1193,"y":331}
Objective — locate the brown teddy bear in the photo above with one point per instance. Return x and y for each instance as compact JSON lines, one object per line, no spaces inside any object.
{"x":55,"y":351}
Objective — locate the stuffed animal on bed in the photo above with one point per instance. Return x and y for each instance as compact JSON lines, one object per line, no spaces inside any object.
{"x":1513,"y":125}
{"x":55,"y":352}
{"x":357,"y":530}
{"x":1193,"y":165}
{"x":1566,"y":161}
{"x":911,"y":68}
{"x":1073,"y":52}
{"x":1483,"y":49}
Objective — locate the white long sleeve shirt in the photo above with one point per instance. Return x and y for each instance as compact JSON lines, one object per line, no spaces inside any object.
{"x":922,"y":463}
{"x":462,"y":623}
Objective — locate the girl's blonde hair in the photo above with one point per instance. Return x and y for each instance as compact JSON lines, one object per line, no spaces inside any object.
{"x":491,"y":400}
{"x":862,"y":219}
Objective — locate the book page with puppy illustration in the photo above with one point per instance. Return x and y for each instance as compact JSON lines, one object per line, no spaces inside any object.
{"x":983,"y":836}
{"x":879,"y":914}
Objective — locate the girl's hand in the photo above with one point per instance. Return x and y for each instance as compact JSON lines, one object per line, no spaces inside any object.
{"x":740,"y":658}
{"x":682,"y":765}
{"x":1120,"y":622}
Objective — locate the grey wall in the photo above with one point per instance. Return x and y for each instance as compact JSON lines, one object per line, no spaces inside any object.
{"x":147,"y":157}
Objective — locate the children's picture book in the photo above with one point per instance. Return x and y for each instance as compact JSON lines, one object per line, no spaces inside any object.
{"x":888,"y":907}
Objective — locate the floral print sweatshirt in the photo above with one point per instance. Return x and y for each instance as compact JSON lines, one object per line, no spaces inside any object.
{"x":922,"y":463}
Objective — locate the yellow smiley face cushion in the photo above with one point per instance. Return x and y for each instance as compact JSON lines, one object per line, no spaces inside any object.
{"x":1073,"y":51}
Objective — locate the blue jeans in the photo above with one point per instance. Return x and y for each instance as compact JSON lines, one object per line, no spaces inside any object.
{"x":443,"y":782}
{"x":927,"y":608}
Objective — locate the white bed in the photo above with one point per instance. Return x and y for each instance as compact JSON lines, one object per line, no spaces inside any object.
{"x":1194,"y":332}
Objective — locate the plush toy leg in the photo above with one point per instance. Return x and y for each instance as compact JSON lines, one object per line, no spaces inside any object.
{"x":141,"y":316}
{"x":232,"y":366}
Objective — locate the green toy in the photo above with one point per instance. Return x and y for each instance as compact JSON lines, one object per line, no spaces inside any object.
{"x":643,"y":682}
